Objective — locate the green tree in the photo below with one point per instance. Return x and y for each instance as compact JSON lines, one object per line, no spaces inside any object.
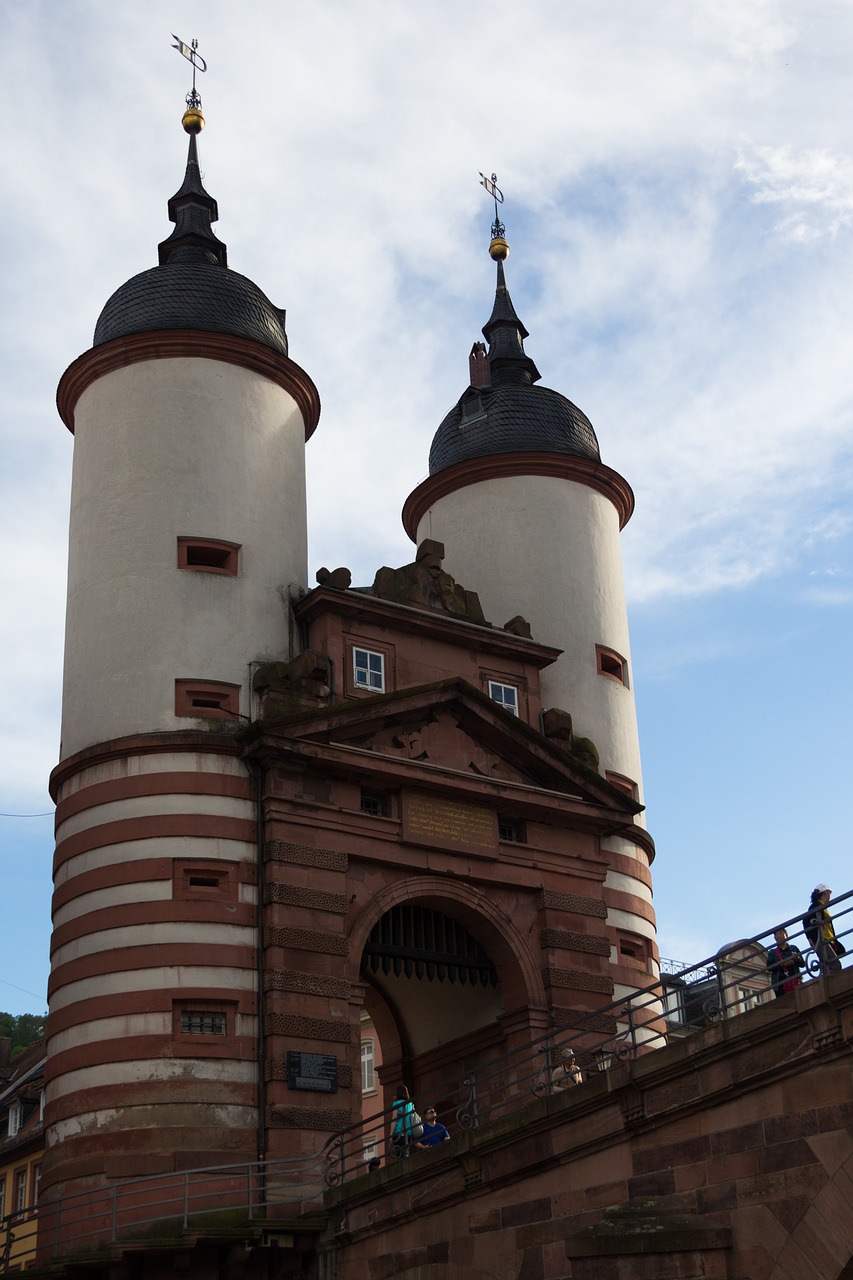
{"x":23,"y":1030}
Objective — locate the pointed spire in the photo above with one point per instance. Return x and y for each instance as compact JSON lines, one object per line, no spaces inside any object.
{"x":192,"y":210}
{"x":505,"y":333}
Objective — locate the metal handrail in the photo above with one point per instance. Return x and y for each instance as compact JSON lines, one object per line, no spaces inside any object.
{"x":630,"y":1026}
{"x":627,"y":1027}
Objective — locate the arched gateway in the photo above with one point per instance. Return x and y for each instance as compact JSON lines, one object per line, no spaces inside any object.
{"x":432,"y":856}
{"x":449,"y":981}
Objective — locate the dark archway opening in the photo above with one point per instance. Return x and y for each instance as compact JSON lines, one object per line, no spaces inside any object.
{"x":434,"y":1001}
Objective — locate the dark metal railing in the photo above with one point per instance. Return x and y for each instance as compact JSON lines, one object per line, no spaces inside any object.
{"x":682,"y":1000}
{"x":634,"y":1024}
{"x":258,"y":1192}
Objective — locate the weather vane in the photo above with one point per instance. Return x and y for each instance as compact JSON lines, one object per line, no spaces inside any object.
{"x":198,"y":64}
{"x":491,"y":185}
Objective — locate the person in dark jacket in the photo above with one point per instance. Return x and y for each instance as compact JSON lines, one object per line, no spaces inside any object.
{"x":820,"y":931}
{"x":784,"y":961}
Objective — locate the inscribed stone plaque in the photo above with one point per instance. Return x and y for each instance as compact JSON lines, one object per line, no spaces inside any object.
{"x":449,"y":824}
{"x":317,"y":1072}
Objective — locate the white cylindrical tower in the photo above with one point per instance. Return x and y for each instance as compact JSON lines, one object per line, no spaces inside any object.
{"x":188,"y":531}
{"x":188,"y":521}
{"x":530,"y":518}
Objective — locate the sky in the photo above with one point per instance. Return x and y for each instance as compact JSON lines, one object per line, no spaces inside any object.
{"x":678,"y":184}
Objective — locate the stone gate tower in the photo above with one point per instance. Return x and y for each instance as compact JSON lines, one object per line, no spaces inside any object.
{"x":187,"y":539}
{"x":525,"y":508}
{"x":284,"y":811}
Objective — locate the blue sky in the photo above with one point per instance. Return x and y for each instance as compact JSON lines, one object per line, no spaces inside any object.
{"x":679,"y":202}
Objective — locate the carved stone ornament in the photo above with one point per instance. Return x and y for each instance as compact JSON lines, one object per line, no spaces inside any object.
{"x":425,"y":585}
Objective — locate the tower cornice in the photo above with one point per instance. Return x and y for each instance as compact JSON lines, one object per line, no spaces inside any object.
{"x":595,"y":475}
{"x":142,"y":744}
{"x":170,"y":344}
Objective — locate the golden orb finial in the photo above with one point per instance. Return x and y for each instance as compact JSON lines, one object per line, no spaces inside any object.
{"x":498,"y":249}
{"x":192,"y":120}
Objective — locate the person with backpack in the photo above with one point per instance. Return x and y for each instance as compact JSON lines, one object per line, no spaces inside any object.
{"x":820,"y":931}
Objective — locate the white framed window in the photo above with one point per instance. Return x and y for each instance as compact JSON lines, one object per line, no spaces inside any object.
{"x":20,"y":1191}
{"x":16,"y":1118}
{"x":505,"y":695}
{"x":368,"y":670}
{"x":368,"y":1067}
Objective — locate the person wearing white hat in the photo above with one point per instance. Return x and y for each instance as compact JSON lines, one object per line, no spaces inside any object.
{"x":567,"y":1073}
{"x":820,"y":931}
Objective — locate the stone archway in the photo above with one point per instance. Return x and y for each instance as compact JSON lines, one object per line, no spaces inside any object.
{"x":518,"y":972}
{"x":441,"y":1014}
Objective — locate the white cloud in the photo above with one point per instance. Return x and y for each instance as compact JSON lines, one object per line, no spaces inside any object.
{"x":814,"y":189}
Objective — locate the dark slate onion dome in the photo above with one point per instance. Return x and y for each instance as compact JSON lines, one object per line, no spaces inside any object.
{"x":509,"y":414}
{"x":192,"y":288}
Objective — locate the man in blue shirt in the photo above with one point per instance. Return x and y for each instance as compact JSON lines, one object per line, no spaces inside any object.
{"x":434,"y":1133}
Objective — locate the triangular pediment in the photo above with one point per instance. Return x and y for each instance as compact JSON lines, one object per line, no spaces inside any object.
{"x":452,"y":725}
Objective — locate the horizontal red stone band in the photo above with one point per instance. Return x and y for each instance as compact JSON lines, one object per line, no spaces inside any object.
{"x":154,"y":827}
{"x":154,"y":784}
{"x":155,"y":1049}
{"x":629,"y":867}
{"x":178,"y":911}
{"x":146,"y":1141}
{"x":190,"y":741}
{"x":158,"y":1000}
{"x":172,"y":344}
{"x":595,"y":475}
{"x":617,"y":900}
{"x":142,"y":871}
{"x":164,"y":954}
{"x":147,"y":1093}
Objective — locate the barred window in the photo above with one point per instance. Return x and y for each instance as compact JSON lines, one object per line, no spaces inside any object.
{"x":374,"y":804}
{"x":196,"y":1023}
